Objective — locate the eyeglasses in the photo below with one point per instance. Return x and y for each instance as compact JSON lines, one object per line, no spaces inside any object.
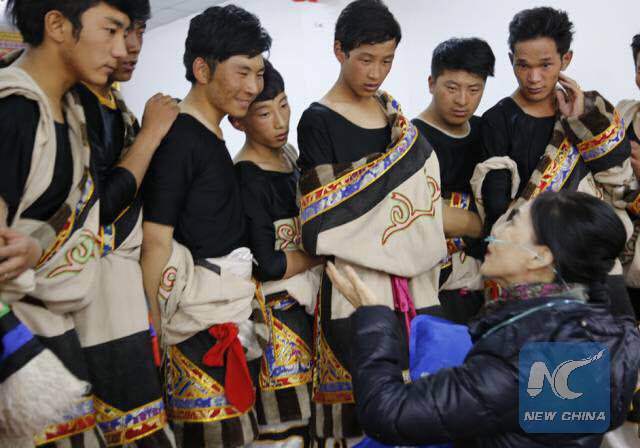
{"x":536,"y":255}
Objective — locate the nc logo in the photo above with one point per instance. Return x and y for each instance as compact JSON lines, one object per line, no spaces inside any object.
{"x":559,"y":380}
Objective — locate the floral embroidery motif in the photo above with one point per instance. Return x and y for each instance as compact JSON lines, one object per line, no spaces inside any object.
{"x":288,"y":235}
{"x":71,"y":223}
{"x":167,"y":282}
{"x":79,"y":255}
{"x":404,"y":213}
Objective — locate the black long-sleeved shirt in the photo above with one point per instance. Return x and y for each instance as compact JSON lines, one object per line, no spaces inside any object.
{"x":508,"y":131}
{"x":267,"y":196}
{"x":457,"y":156}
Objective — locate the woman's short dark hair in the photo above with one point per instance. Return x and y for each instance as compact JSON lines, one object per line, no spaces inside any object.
{"x":635,"y":47}
{"x":583,"y":233}
{"x":273,"y":83}
{"x":366,"y":22}
{"x":28,"y":15}
{"x":472,"y":55}
{"x":221,"y":32}
{"x":542,"y":22}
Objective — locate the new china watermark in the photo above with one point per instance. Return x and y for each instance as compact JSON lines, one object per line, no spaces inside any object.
{"x":564,"y":387}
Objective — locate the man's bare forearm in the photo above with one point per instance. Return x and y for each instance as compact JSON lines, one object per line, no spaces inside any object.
{"x":159,"y":114}
{"x":139,"y":157}
{"x":458,"y":223}
{"x":154,"y":259}
{"x":299,"y":261}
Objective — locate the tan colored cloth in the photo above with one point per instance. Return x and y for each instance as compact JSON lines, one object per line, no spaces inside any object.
{"x":480,"y":173}
{"x":304,"y":286}
{"x":119,"y":306}
{"x":61,"y":280}
{"x":399,"y":232}
{"x":195,"y":296}
{"x":69,"y":264}
{"x":382,"y":215}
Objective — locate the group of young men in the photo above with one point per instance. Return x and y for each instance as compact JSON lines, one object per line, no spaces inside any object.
{"x":112,"y":231}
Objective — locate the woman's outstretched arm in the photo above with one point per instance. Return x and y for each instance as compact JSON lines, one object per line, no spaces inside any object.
{"x":473,"y":400}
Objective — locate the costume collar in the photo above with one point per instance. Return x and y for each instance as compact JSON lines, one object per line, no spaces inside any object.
{"x":109,"y":101}
{"x":544,"y":290}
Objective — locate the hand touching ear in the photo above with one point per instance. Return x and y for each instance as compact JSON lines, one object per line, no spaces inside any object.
{"x":570,"y":101}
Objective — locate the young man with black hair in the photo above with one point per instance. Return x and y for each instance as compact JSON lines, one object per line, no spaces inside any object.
{"x":126,"y":386}
{"x":50,"y":248}
{"x":195,"y":261}
{"x":459,"y":71}
{"x":546,"y":138}
{"x":370,"y":197}
{"x":289,"y":278}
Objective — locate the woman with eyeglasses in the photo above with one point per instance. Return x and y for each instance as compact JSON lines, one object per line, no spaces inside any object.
{"x":551,"y":259}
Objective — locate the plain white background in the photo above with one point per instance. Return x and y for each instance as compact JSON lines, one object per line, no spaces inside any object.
{"x":303,"y":38}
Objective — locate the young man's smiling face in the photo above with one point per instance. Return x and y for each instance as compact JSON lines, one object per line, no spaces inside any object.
{"x":94,"y":52}
{"x":365,"y":67}
{"x":235,"y":83}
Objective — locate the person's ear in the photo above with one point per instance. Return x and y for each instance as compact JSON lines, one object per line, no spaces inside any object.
{"x":201,"y":70}
{"x":566,"y":60}
{"x":237,"y":124}
{"x":542,"y":259}
{"x":57,"y":26}
{"x":432,"y":84}
{"x":337,"y":50}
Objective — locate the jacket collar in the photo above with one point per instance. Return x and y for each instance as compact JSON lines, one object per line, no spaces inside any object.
{"x":523,"y":300}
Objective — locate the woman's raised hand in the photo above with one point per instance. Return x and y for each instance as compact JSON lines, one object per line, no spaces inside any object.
{"x":351,"y":286}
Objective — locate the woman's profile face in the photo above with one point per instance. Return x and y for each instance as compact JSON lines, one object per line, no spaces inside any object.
{"x":509,"y":257}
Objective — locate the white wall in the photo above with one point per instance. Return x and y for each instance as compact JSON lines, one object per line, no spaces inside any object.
{"x":303,"y":38}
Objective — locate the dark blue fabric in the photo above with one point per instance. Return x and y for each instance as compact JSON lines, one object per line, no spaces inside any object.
{"x":14,"y":340}
{"x":436,"y":344}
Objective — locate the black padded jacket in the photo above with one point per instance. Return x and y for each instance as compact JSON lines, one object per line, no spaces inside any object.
{"x":476,"y":404}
